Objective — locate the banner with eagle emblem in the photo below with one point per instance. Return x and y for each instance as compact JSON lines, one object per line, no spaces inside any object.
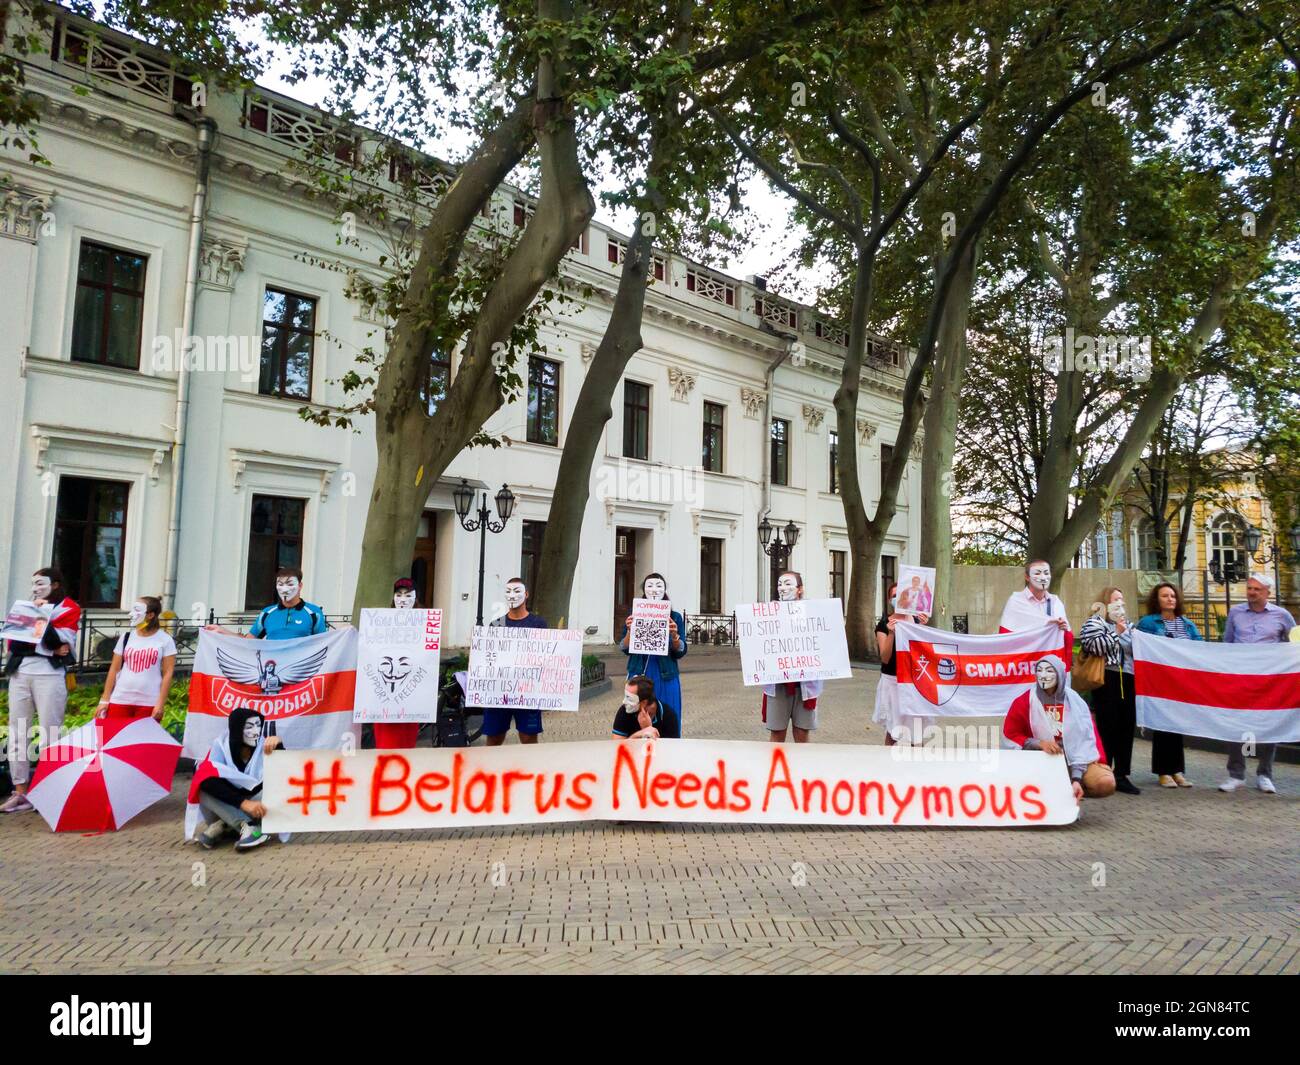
{"x":305,"y":688}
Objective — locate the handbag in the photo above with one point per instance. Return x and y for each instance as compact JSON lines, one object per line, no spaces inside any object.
{"x":1089,"y":673}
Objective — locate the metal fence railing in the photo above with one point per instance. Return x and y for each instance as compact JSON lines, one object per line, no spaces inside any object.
{"x":717,"y":629}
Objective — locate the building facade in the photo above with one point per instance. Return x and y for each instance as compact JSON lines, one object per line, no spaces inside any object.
{"x":97,"y":285}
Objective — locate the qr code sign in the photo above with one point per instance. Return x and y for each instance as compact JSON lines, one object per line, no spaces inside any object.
{"x":649,"y":635}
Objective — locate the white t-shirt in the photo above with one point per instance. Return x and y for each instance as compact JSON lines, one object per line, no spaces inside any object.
{"x":140,"y":679}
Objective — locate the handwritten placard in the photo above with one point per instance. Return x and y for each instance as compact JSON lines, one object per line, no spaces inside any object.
{"x":648,"y":627}
{"x":793,"y":641}
{"x":524,"y":669}
{"x":398,"y":652}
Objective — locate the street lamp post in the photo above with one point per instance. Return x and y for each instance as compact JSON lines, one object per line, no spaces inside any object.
{"x":482,"y":523}
{"x":780,"y":547}
{"x":1275,"y":554}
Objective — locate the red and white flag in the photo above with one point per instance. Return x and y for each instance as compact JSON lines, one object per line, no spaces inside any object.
{"x":1221,"y":691}
{"x":954,"y":674}
{"x":304,"y":687}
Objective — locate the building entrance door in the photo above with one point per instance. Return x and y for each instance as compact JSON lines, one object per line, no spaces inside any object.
{"x":625,"y":589}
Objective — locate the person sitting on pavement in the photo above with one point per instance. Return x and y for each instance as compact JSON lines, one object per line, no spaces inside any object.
{"x":1052,"y":718}
{"x":642,"y":716}
{"x":227,"y":784}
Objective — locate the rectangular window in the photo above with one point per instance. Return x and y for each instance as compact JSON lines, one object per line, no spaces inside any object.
{"x":712,"y":455}
{"x":888,"y":576}
{"x":109,"y":307}
{"x":710,"y":575}
{"x":834,"y":456}
{"x":636,"y":420}
{"x":288,"y":336}
{"x":837,"y":582}
{"x":543,"y":401}
{"x":780,"y":451}
{"x":531,"y":551}
{"x":274,"y":541}
{"x":90,"y":538}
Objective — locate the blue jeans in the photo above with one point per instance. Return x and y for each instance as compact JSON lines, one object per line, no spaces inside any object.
{"x":233,"y":816}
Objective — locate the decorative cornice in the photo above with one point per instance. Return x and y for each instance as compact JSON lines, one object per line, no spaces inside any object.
{"x":866,"y":430}
{"x":812,"y":417}
{"x":24,"y":211}
{"x":219,"y":261}
{"x":752,"y":401}
{"x":681,"y":382}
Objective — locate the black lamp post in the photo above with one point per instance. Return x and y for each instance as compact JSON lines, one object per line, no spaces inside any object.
{"x":780,"y":547}
{"x":482,"y":523}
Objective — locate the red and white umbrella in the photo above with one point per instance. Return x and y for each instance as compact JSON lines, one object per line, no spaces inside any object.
{"x":100,"y":776}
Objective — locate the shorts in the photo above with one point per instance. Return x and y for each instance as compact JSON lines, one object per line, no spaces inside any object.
{"x":778,"y":708}
{"x":128,"y":710}
{"x":496,"y":721}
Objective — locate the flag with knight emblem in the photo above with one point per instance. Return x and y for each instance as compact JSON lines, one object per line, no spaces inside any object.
{"x":951,"y":674}
{"x":305,"y":688}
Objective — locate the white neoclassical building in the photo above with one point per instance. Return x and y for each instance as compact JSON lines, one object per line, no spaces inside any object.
{"x":98,"y":283}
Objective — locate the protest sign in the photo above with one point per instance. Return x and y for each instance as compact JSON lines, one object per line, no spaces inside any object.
{"x":802,"y":639}
{"x":26,"y":622}
{"x":524,"y":669}
{"x":690,"y":781}
{"x":648,"y":627}
{"x":397,"y":665}
{"x":959,"y":675}
{"x":915,"y":590}
{"x":305,"y":688}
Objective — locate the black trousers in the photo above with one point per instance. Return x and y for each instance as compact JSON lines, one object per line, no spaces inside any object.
{"x":1116,"y":707}
{"x":1167,"y":753}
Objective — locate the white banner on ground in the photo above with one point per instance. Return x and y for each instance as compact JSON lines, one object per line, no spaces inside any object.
{"x":524,"y":669}
{"x":648,"y":627}
{"x":959,"y":675}
{"x":690,"y":781}
{"x":397,"y":665}
{"x":802,"y":639}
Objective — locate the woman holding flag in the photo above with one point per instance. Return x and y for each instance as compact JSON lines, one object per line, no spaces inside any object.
{"x":898,"y":727}
{"x":227,"y":785}
{"x":1164,"y":617}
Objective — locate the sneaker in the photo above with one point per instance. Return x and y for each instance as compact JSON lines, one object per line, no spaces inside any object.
{"x":1182,"y":781}
{"x":1166,"y":781}
{"x":1127,"y":786}
{"x":211,"y":835}
{"x":1265,"y":784}
{"x":1231,"y":784}
{"x":16,"y":804}
{"x":250,"y":837}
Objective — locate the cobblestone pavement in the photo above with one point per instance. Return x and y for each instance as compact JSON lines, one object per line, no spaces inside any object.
{"x":1194,"y":882}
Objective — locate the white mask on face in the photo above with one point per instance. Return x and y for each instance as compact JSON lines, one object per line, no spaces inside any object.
{"x":41,"y":587}
{"x":252,"y":731}
{"x":655,"y":588}
{"x":630,"y":701}
{"x":515,"y":595}
{"x":1040,"y":577}
{"x":404,"y":598}
{"x":787,"y":588}
{"x":1115,"y":611}
{"x":287,"y":589}
{"x":1046,"y":676}
{"x":138,"y":612}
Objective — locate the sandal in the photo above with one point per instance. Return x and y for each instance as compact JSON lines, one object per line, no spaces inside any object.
{"x":1182,"y":781}
{"x":1166,"y":781}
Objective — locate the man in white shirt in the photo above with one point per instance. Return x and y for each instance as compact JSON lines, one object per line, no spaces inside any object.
{"x":1033,"y":606}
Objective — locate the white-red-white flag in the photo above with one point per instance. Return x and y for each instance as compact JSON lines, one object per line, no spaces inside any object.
{"x":304,"y":687}
{"x":1221,"y":691}
{"x":954,"y":674}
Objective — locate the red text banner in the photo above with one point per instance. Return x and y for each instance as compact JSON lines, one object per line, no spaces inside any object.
{"x":693,"y":781}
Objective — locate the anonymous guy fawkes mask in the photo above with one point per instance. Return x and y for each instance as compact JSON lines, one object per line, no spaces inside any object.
{"x":404,"y":598}
{"x":138,"y":613}
{"x":1115,"y":610}
{"x":41,"y":587}
{"x":516,"y":593}
{"x":787,"y":587}
{"x":1046,"y":676}
{"x":630,"y":700}
{"x":655,"y":588}
{"x":287,"y":588}
{"x":1040,"y":576}
{"x":252,"y":731}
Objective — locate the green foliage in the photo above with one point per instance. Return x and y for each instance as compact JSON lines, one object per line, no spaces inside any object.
{"x":83,"y":701}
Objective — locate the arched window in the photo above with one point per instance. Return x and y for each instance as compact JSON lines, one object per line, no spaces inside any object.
{"x":1150,"y":555}
{"x":1228,"y":542}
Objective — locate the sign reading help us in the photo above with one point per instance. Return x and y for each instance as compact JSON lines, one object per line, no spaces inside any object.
{"x":784,"y":642}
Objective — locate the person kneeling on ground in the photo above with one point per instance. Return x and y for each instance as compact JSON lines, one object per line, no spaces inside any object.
{"x":1051,"y":717}
{"x":642,"y":716}
{"x":227,"y":787}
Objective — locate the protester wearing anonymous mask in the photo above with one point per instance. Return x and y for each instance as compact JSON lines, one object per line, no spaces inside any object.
{"x":641,"y":716}
{"x":661,"y":669}
{"x":497,"y":720}
{"x":1034,"y":605}
{"x":226,"y":792}
{"x":794,"y":705}
{"x":289,"y":617}
{"x":398,"y":735}
{"x":144,"y":659}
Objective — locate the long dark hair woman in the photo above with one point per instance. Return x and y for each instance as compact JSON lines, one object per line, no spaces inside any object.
{"x":1165,"y":617}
